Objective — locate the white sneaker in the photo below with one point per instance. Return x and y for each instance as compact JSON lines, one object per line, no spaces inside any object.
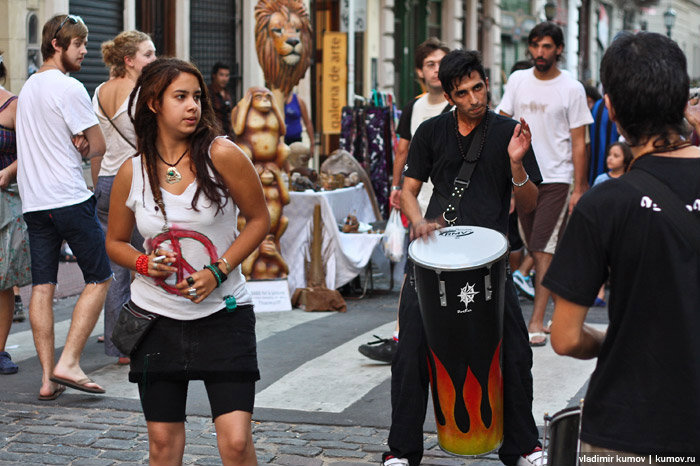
{"x":395,"y":462}
{"x":536,"y":458}
{"x":524,"y":284}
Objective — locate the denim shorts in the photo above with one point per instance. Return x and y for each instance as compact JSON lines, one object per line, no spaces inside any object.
{"x":78,"y":225}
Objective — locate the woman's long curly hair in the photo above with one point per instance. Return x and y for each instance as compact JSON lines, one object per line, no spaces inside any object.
{"x":150,"y":87}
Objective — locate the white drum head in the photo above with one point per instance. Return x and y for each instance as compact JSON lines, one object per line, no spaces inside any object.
{"x":459,"y":248}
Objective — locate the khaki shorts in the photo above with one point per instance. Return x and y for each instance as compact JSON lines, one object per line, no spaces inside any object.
{"x":542,"y":228}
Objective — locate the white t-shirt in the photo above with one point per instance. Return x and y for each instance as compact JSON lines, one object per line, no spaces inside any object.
{"x":422,"y":110}
{"x":552,"y":108}
{"x":118,"y":149}
{"x":202,"y":236}
{"x":52,"y":107}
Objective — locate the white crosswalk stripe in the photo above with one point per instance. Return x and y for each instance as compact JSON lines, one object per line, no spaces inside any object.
{"x":331,"y":382}
{"x":335,"y":380}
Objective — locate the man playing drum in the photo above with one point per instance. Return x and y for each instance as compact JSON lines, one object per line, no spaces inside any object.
{"x":506,"y":164}
{"x":643,"y":395}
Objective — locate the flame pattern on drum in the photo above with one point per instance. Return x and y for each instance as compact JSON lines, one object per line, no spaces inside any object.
{"x":468,"y":426}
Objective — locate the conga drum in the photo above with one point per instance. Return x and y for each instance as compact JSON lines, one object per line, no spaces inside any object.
{"x":460,"y":280}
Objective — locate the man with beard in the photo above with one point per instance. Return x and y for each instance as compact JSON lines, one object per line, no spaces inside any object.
{"x":505,"y":166}
{"x":56,"y":128}
{"x":554,"y":104}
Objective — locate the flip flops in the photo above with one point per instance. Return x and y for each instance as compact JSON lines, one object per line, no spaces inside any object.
{"x":56,"y":393}
{"x":532,"y":335}
{"x":81,"y":384}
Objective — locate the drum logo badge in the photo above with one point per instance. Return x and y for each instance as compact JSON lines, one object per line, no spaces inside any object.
{"x":466,"y":295}
{"x":457,"y":233}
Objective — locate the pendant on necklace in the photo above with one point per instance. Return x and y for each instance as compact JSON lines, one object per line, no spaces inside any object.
{"x":172,"y":176}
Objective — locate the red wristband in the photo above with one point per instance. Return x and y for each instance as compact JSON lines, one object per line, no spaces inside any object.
{"x":142,"y":265}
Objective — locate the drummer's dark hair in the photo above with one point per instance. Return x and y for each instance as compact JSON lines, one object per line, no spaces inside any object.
{"x":458,"y":64}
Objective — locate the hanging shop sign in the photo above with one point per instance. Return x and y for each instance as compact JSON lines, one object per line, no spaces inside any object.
{"x":335,"y":77}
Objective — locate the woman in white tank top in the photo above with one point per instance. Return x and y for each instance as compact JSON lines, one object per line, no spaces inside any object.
{"x":183,"y":193}
{"x":125,"y":56}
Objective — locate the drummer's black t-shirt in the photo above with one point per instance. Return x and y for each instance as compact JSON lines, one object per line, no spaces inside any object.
{"x":643,"y":394}
{"x":434,"y":154}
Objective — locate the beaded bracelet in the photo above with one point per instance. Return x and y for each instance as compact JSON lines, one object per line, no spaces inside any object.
{"x":142,"y":265}
{"x":222,"y":275}
{"x":527,"y":178}
{"x":218,"y":274}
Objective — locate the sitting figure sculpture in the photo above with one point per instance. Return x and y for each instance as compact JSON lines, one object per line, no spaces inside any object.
{"x":265,"y":262}
{"x":259,"y":129}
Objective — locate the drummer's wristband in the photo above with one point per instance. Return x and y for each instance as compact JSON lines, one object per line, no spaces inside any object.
{"x":520,"y":185}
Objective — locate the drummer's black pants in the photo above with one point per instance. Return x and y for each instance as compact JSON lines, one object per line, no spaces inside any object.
{"x":409,"y":381}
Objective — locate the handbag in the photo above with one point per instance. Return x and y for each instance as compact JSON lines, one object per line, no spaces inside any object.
{"x":132,"y":326}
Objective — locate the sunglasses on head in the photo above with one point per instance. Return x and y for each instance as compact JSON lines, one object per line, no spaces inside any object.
{"x":73,"y":19}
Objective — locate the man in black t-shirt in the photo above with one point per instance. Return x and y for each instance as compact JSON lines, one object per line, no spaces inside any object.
{"x":642,"y":398}
{"x":506,"y":163}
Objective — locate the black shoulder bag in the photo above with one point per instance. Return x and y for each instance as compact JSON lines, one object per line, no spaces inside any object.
{"x":672,"y":207}
{"x":469,"y":160}
{"x":132,"y":326}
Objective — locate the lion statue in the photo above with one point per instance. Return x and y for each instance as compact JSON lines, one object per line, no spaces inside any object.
{"x":283,"y":42}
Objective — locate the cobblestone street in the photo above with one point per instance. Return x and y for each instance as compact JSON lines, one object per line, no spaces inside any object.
{"x":37,"y":435}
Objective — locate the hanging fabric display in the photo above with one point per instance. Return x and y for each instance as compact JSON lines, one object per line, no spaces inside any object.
{"x":367,"y":132}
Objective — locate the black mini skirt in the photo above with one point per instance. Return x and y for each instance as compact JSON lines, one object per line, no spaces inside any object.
{"x":218,"y":348}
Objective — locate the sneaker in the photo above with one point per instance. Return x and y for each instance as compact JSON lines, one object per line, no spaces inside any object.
{"x":18,"y":315}
{"x":382,"y":349}
{"x":538,"y":457}
{"x":393,"y":461}
{"x":524,"y":284}
{"x":6,"y":364}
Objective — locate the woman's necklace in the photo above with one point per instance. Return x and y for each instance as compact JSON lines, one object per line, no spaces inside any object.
{"x":172,"y":176}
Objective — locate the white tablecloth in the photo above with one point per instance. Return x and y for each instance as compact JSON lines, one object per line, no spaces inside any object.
{"x":344,"y":254}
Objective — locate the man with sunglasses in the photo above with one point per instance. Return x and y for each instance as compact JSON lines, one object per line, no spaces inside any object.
{"x":56,"y":129}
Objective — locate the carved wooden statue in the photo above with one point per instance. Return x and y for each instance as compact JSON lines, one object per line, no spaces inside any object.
{"x":259,"y":128}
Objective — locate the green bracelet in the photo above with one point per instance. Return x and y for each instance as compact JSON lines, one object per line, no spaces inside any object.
{"x":216,"y":274}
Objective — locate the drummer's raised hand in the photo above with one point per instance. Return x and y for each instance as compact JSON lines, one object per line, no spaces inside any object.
{"x":424,"y":229}
{"x":520,"y":141}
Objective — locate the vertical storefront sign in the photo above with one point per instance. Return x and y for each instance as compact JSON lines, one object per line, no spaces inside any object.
{"x":335,"y":77}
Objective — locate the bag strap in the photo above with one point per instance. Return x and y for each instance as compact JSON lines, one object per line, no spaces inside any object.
{"x":112,"y":123}
{"x":671,"y":205}
{"x":7,"y":102}
{"x":469,"y":160}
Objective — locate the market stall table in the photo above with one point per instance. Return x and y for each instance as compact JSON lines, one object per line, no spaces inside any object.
{"x":344,"y":254}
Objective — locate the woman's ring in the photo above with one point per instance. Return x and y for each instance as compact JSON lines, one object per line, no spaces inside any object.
{"x":192,"y":292}
{"x":190,"y":281}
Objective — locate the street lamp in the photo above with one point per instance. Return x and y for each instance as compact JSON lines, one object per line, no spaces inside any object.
{"x":550,"y":10}
{"x":669,"y":20}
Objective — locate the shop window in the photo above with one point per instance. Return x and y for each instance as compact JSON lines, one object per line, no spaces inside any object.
{"x":33,"y":47}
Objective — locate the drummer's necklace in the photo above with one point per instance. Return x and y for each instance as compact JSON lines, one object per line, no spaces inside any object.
{"x":172,"y":175}
{"x":483,"y":135}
